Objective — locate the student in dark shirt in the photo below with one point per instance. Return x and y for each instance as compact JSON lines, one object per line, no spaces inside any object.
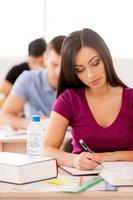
{"x":35,"y":60}
{"x":14,"y":72}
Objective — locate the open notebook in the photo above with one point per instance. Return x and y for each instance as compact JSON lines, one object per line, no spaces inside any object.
{"x":115,"y":173}
{"x":77,"y":172}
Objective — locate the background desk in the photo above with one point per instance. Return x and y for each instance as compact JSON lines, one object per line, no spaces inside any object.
{"x":17,"y":143}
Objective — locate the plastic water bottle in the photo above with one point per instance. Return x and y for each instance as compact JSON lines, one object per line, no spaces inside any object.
{"x":35,"y":137}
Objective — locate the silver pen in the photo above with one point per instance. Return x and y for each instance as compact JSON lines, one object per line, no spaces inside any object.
{"x":87,"y":148}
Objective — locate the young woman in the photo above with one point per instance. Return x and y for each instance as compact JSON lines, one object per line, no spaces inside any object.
{"x":94,"y":102}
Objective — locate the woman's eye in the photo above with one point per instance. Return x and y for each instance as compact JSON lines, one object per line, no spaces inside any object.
{"x":79,"y":70}
{"x":96,"y":62}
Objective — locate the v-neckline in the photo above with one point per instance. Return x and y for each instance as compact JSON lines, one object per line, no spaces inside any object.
{"x":92,"y":116}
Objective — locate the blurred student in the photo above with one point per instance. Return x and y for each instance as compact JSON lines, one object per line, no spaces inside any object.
{"x":35,"y":60}
{"x":94,"y":102}
{"x":34,"y":91}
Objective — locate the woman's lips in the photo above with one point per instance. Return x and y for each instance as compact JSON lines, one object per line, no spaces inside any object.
{"x":95,"y":81}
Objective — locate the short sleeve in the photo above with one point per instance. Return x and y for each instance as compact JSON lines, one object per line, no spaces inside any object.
{"x":63,"y":105}
{"x":21,"y":86}
{"x":129,"y":98}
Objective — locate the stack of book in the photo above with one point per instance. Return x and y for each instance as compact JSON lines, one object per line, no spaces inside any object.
{"x":118,"y":173}
{"x":21,"y":168}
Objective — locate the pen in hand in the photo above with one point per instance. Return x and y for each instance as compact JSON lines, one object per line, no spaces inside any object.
{"x":86,"y":147}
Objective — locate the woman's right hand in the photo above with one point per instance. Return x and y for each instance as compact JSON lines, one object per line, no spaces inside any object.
{"x":86,"y":161}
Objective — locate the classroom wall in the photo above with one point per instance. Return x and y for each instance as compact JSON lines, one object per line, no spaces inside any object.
{"x":123,"y":66}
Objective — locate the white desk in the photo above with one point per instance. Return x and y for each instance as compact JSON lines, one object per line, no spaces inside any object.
{"x":8,"y":193}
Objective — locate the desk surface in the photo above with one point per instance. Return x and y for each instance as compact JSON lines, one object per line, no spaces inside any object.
{"x":8,"y":192}
{"x":64,"y":196}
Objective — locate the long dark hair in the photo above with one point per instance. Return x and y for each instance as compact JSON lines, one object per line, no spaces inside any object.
{"x":71,"y":46}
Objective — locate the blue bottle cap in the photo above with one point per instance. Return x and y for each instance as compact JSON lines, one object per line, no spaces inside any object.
{"x":35,"y":118}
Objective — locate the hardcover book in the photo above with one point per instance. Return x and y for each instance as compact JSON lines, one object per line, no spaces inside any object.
{"x":21,"y":168}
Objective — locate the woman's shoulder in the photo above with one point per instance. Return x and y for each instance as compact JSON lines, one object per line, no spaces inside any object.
{"x":128,"y":91}
{"x":128,"y":96}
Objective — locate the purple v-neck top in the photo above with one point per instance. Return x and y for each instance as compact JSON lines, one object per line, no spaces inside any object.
{"x":72,"y":105}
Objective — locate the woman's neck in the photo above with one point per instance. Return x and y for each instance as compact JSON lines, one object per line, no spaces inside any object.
{"x":104,"y":91}
{"x":100,"y":91}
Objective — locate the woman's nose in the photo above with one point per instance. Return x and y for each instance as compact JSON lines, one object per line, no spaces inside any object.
{"x":89,"y":73}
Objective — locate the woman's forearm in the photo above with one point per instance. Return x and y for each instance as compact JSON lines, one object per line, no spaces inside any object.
{"x":117,"y":156}
{"x":63,"y":158}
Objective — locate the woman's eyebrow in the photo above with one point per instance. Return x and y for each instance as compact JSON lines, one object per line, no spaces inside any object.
{"x":88,"y":61}
{"x":92,"y":58}
{"x":78,"y":65}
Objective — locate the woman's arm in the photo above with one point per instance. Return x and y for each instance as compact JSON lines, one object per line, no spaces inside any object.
{"x":54,"y":137}
{"x":116,"y":156}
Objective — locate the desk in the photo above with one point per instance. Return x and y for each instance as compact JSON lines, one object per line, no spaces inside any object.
{"x":17,"y":143}
{"x":8,"y":193}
